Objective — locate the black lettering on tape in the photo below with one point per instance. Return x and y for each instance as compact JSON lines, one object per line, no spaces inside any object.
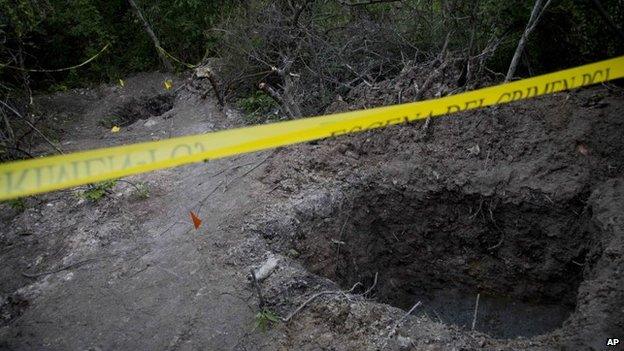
{"x":474,"y":104}
{"x":532,"y":91}
{"x":356,"y":129}
{"x":197,"y":145}
{"x":38,"y":176}
{"x":127,"y":162}
{"x":587,"y":79}
{"x":413,"y":118}
{"x":595,"y":77}
{"x":505,"y":97}
{"x":452,"y":109}
{"x":175,"y":150}
{"x":75,"y":169}
{"x":338,"y":132}
{"x":515,"y":95}
{"x":12,"y":187}
{"x":88,"y":162}
{"x":374,"y":125}
{"x":62,"y":174}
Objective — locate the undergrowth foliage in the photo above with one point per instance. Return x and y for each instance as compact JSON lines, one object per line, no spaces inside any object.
{"x":307,"y":55}
{"x":141,"y":190}
{"x":265,"y":319}
{"x":304,"y":56}
{"x":97,"y":191}
{"x":261,"y":33}
{"x":257,"y":106}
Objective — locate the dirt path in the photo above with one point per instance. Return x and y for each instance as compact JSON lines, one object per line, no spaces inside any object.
{"x":145,"y":278}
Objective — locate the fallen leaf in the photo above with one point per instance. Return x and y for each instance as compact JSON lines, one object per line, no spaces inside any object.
{"x":196,"y":221}
{"x":168,"y":84}
{"x":115,"y":129}
{"x":121,"y":83}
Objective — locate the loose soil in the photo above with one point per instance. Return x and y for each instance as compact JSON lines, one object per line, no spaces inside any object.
{"x":510,"y":203}
{"x":520,"y":205}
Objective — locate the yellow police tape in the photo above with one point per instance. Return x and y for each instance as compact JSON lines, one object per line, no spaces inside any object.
{"x":39,"y":175}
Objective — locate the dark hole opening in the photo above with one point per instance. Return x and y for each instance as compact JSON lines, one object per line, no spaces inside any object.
{"x":525,"y":260}
{"x":139,"y":108}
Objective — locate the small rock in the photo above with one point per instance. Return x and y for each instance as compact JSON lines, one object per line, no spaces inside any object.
{"x":293,"y":253}
{"x":267,"y":268}
{"x":475,"y":150}
{"x":150,"y":122}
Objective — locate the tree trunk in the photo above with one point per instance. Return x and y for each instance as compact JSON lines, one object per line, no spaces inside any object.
{"x":536,"y":13}
{"x":152,"y":36}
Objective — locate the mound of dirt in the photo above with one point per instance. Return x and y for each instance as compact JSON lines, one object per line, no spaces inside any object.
{"x":520,"y":205}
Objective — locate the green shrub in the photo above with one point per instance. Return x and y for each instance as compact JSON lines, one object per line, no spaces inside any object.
{"x":97,"y":191}
{"x":265,"y":319}
{"x":257,"y":106}
{"x":141,"y":190}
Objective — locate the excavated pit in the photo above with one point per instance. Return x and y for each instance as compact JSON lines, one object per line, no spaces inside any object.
{"x":443,"y":248}
{"x":139,"y":108}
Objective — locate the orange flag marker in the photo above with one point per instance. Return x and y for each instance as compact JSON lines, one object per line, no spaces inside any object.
{"x":196,"y":221}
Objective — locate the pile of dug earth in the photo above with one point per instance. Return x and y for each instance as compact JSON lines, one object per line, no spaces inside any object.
{"x":501,"y":228}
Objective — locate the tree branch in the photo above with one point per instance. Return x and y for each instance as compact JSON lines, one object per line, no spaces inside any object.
{"x":152,"y":35}
{"x":536,"y":13}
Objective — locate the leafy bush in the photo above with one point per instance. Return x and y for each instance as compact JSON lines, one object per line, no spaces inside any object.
{"x":257,"y":106}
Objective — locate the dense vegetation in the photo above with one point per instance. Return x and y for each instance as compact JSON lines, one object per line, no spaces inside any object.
{"x":61,"y":33}
{"x":58,"y":33}
{"x":304,"y":53}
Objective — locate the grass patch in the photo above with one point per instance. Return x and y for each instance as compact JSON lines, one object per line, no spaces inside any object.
{"x":265,"y":319}
{"x":258,"y":107}
{"x":141,"y":190}
{"x":97,"y":191}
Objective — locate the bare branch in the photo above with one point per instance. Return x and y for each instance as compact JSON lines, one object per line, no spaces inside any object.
{"x":152,"y":35}
{"x":536,"y":13}
{"x":32,"y":126}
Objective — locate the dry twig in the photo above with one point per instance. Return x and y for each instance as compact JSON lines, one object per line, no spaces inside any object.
{"x":315,"y":296}
{"x":476,"y":310}
{"x":32,"y":126}
{"x":69,"y":266}
{"x":398,"y":324}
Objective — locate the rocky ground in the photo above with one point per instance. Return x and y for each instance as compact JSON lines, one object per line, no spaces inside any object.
{"x":520,"y":205}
